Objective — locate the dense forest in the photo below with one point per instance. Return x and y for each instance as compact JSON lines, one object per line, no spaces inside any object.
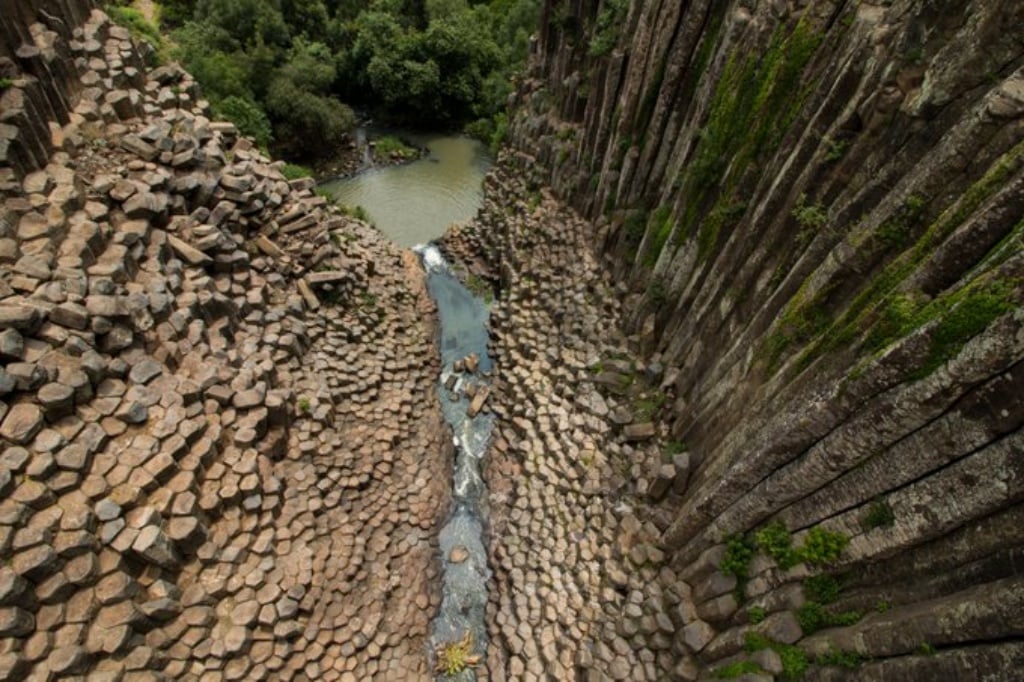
{"x":289,"y":72}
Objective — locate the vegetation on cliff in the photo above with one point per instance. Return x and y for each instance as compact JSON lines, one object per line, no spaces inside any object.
{"x":286,"y":71}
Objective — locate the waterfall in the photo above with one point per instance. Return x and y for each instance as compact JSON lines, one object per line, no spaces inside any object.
{"x":364,"y":145}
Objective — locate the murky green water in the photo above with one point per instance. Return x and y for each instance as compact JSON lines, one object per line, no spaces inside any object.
{"x":416,"y":202}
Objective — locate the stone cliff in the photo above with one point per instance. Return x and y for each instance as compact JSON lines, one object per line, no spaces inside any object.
{"x":221,"y":447}
{"x":813,"y":213}
{"x":758,"y":343}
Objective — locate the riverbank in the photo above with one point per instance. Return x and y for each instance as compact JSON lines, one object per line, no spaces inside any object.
{"x":223,"y":451}
{"x":360,"y":153}
{"x":577,"y":468}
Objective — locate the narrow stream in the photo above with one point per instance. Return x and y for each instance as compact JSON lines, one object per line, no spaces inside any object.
{"x":463,"y":323}
{"x":413,"y":204}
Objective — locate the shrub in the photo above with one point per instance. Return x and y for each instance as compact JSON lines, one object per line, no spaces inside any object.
{"x":822,"y":546}
{"x":136,"y":23}
{"x":454,"y":657}
{"x":822,"y":588}
{"x":248,"y":116}
{"x":809,"y":216}
{"x":389,"y":145}
{"x":753,"y":641}
{"x":812,"y":617}
{"x":878,"y":515}
{"x":608,"y":26}
{"x":756,"y":614}
{"x":794,"y":661}
{"x":777,"y":543}
{"x":738,"y":553}
{"x":293,"y":171}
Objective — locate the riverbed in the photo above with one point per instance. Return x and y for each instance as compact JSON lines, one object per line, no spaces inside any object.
{"x":414,"y":204}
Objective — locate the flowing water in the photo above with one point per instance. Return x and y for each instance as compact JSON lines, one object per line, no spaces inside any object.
{"x":463,"y":323}
{"x":415,"y":202}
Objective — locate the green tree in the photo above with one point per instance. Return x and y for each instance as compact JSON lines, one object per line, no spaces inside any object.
{"x":248,"y":116}
{"x":245,"y":20}
{"x":308,"y":120}
{"x":306,"y":17}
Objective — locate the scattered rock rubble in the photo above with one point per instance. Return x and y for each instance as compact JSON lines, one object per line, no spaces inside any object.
{"x":582,"y":588}
{"x":222,"y":455}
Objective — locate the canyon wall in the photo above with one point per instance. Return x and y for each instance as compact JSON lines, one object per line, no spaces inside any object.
{"x":221,"y":448}
{"x":814,"y":212}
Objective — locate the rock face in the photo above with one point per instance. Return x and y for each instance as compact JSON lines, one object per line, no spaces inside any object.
{"x":813,"y":215}
{"x":218,"y":458}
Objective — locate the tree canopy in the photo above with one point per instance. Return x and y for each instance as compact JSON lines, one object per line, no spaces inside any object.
{"x":281,"y":69}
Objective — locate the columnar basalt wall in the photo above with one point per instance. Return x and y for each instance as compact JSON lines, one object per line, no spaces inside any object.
{"x":815,"y":211}
{"x":221,"y":448}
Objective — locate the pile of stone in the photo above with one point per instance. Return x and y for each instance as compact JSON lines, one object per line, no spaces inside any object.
{"x":581,"y":587}
{"x":215,"y":464}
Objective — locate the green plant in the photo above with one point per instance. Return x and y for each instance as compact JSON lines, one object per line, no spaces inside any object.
{"x":304,"y":405}
{"x":777,"y":543}
{"x":674,"y":447}
{"x":822,"y":546}
{"x":756,"y":614}
{"x":840,"y":658}
{"x":661,"y":219}
{"x":794,"y":661}
{"x":480,"y":288}
{"x":809,"y":216}
{"x":882,"y":606}
{"x":878,"y":515}
{"x":454,"y":657}
{"x":293,"y":171}
{"x":608,"y":25}
{"x":926,"y":649}
{"x":357,"y":212}
{"x":836,"y":149}
{"x":963,"y":322}
{"x":822,"y":588}
{"x":754,"y":641}
{"x":634,"y":225}
{"x":737,"y":669}
{"x":739,"y":551}
{"x":250,"y":119}
{"x":647,"y":405}
{"x":140,"y":27}
{"x":5,"y":83}
{"x":812,"y":617}
{"x":389,"y":145}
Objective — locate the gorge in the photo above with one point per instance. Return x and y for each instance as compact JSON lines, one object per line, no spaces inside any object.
{"x":755,"y":403}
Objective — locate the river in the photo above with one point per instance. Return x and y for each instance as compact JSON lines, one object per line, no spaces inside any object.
{"x":413,"y":204}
